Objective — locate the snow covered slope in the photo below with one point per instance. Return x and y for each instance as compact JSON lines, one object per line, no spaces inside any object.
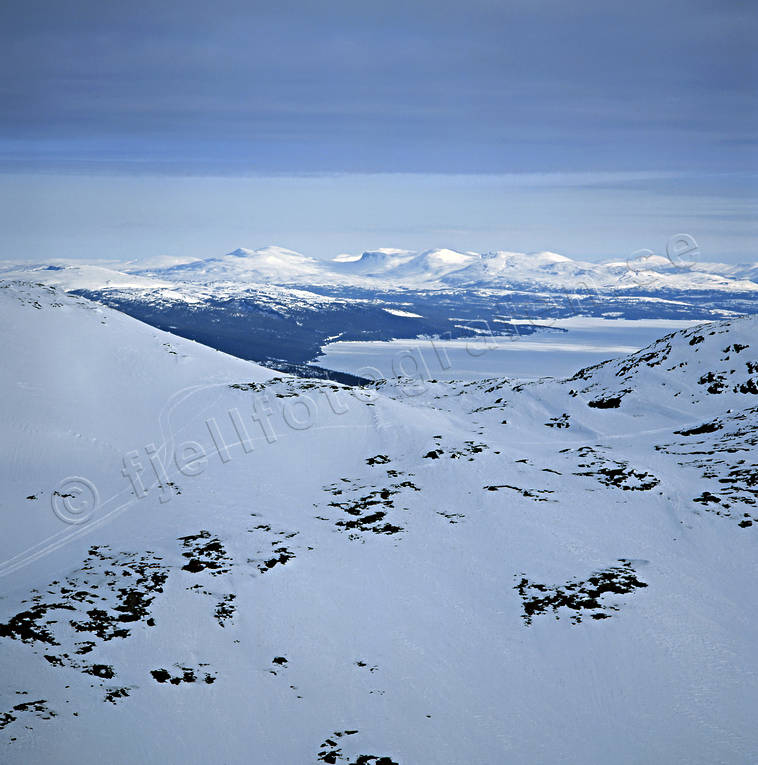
{"x":79,"y":276}
{"x":81,"y":384}
{"x":560,"y":571}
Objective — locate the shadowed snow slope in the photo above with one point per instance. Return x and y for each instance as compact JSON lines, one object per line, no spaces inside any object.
{"x":559,"y":571}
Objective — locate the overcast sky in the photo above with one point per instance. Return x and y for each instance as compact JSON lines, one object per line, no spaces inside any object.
{"x":607,"y":93}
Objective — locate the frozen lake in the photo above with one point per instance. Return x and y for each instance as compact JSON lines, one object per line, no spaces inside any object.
{"x":559,"y":348}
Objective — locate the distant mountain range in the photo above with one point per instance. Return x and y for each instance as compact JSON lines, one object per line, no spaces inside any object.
{"x":391,"y":269}
{"x":280,"y":307}
{"x":441,"y":268}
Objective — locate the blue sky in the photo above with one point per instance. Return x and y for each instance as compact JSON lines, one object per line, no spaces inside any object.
{"x":589,"y":128}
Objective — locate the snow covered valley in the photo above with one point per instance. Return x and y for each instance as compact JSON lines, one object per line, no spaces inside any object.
{"x":204,"y":560}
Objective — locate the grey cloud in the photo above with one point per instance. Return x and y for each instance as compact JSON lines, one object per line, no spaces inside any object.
{"x":417,"y":86}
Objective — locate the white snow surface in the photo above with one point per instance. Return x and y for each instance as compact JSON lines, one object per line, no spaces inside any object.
{"x":404,"y":572}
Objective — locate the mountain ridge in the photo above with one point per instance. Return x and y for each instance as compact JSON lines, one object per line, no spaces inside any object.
{"x":447,"y":267}
{"x":440,"y":268}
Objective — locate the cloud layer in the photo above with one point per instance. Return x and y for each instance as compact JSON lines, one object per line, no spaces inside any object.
{"x":440,"y":86}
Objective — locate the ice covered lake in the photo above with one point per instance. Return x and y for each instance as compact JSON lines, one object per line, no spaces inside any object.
{"x":560,"y":347}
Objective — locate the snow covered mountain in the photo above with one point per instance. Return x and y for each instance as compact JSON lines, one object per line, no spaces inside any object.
{"x":276,"y":265}
{"x":393,"y":269}
{"x":204,"y":562}
{"x":441,"y":268}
